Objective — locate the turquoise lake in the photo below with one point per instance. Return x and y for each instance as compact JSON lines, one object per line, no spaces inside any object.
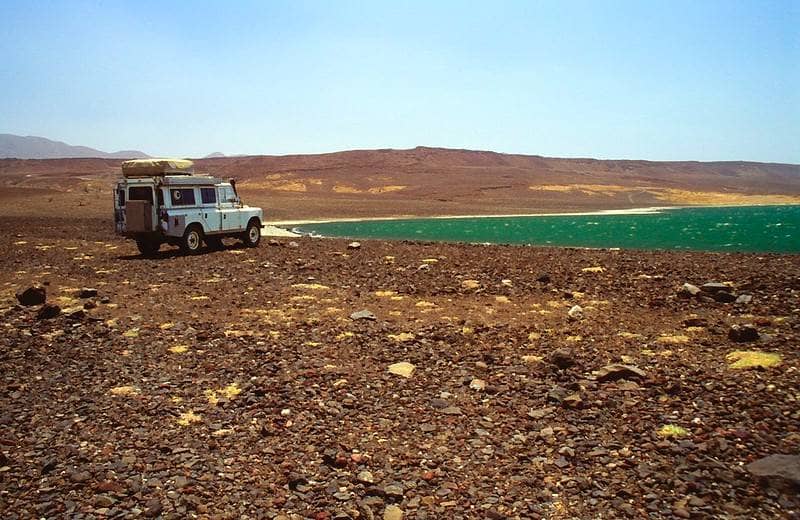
{"x":743,"y":228}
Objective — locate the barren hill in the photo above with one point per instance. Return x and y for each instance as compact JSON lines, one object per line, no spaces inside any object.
{"x":436,"y":181}
{"x":33,"y":147}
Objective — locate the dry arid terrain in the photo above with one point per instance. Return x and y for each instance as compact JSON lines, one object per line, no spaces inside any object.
{"x":419,"y":182}
{"x":312,"y":378}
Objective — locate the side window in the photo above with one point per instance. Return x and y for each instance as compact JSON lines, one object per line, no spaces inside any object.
{"x":208,"y":195}
{"x":141,"y":193}
{"x":226,"y":194}
{"x":182,"y":197}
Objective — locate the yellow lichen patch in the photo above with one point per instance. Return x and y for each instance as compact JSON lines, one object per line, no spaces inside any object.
{"x":131,"y":333}
{"x":629,"y":335}
{"x":430,"y":260}
{"x":344,"y":335}
{"x":425,"y":304}
{"x":695,"y":330}
{"x":386,"y":189}
{"x":672,"y":430}
{"x":384,"y":294}
{"x":403,"y":369}
{"x":67,"y":301}
{"x":23,"y":242}
{"x":70,"y":248}
{"x":332,"y":310}
{"x":211,"y":397}
{"x":467,"y":331}
{"x":213,"y":280}
{"x":311,"y":286}
{"x":188,"y":418}
{"x":752,"y":359}
{"x":112,"y":323}
{"x":388,"y":259}
{"x":502,"y":299}
{"x":534,"y":336}
{"x":673,"y":340}
{"x":231,"y":333}
{"x":312,"y":343}
{"x":573,"y":339}
{"x":402,"y":337}
{"x":44,"y":248}
{"x":125,"y":391}
{"x":222,"y":432}
{"x":231,"y":391}
{"x":274,"y":334}
{"x":236,"y":251}
{"x":178,"y":349}
{"x":166,"y":325}
{"x":531,"y":359}
{"x":594,"y":269}
{"x":470,"y":284}
{"x":303,"y":297}
{"x":555,"y":304}
{"x":198,"y":298}
{"x":176,"y":399}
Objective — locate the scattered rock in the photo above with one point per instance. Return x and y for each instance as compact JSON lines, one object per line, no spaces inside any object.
{"x":363,"y":315}
{"x":575,"y":312}
{"x":403,"y":369}
{"x":714,"y":287}
{"x":777,"y":470}
{"x":572,"y":401}
{"x":34,"y":295}
{"x":477,"y":384}
{"x":75,"y":313}
{"x":392,"y":512}
{"x":615,"y":372}
{"x":743,"y":333}
{"x":744,"y":299}
{"x":562,"y":358}
{"x":87,"y":292}
{"x":688,"y":290}
{"x":293,"y":245}
{"x":48,"y":311}
{"x":695,"y":322}
{"x":541,"y":413}
{"x":724,"y":297}
{"x":354,"y":245}
{"x":365,"y":477}
{"x":543,"y":278}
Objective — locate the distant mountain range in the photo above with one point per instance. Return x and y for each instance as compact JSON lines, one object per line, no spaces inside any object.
{"x":32,"y":147}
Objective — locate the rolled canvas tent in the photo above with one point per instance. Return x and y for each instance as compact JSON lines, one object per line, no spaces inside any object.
{"x":157,"y":167}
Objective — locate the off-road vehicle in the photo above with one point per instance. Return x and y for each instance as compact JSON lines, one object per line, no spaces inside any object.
{"x":162,"y":201}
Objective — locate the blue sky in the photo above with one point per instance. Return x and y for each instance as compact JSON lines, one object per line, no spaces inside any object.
{"x":659,"y":80}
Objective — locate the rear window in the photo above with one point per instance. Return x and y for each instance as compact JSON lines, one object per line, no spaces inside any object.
{"x":141,"y":193}
{"x":182,"y":197}
{"x":208,"y":195}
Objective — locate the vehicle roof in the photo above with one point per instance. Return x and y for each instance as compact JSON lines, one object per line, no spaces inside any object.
{"x":177,"y":180}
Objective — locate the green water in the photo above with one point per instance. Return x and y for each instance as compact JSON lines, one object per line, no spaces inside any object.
{"x":743,"y":228}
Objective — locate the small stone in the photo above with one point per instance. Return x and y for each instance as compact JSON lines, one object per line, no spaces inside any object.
{"x":777,"y":470}
{"x":75,"y":313}
{"x":713,"y":287}
{"x":575,"y":312}
{"x":365,"y":477}
{"x":688,"y":290}
{"x":89,"y":305}
{"x":481,"y":365}
{"x":293,"y":245}
{"x":572,"y":401}
{"x":724,"y":297}
{"x":363,"y":315}
{"x":34,"y":295}
{"x":540,"y":413}
{"x":477,"y":384}
{"x":393,"y":490}
{"x":403,"y":369}
{"x":354,"y":245}
{"x":681,"y":512}
{"x":103,"y":501}
{"x":614,"y":372}
{"x":744,"y":299}
{"x":48,"y":311}
{"x":743,"y":333}
{"x":562,"y":358}
{"x":87,"y":292}
{"x":451,"y":410}
{"x":392,"y":512}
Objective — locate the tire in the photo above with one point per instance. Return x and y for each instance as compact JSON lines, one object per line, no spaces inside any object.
{"x":252,"y":235}
{"x":147,"y":247}
{"x":192,"y":240}
{"x":214,"y":243}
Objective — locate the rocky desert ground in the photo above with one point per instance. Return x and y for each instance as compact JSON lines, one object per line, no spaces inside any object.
{"x":314,"y":378}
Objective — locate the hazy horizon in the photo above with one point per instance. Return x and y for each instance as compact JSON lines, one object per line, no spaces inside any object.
{"x":716,"y":81}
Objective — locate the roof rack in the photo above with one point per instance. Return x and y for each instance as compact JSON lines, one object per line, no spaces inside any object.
{"x":157,"y":167}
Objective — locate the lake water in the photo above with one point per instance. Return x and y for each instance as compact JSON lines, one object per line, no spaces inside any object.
{"x":743,"y":228}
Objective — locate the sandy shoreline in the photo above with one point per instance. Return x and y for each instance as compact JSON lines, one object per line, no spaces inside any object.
{"x":631,"y":211}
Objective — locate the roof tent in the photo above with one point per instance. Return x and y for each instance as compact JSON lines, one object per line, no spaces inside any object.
{"x":157,"y":167}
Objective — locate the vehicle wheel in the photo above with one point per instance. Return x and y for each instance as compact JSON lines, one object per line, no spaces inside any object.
{"x":148,"y":247}
{"x":214,"y":243}
{"x":192,"y":240}
{"x":252,"y":235}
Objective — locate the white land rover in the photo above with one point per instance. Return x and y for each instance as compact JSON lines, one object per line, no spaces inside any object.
{"x":161,"y":201}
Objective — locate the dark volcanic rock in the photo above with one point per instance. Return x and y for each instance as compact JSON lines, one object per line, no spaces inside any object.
{"x":743,"y":333}
{"x":48,"y":311}
{"x":88,"y":292}
{"x":724,"y":297}
{"x":34,"y":295}
{"x":783,"y":469}
{"x":562,"y":358}
{"x":615,"y":372}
